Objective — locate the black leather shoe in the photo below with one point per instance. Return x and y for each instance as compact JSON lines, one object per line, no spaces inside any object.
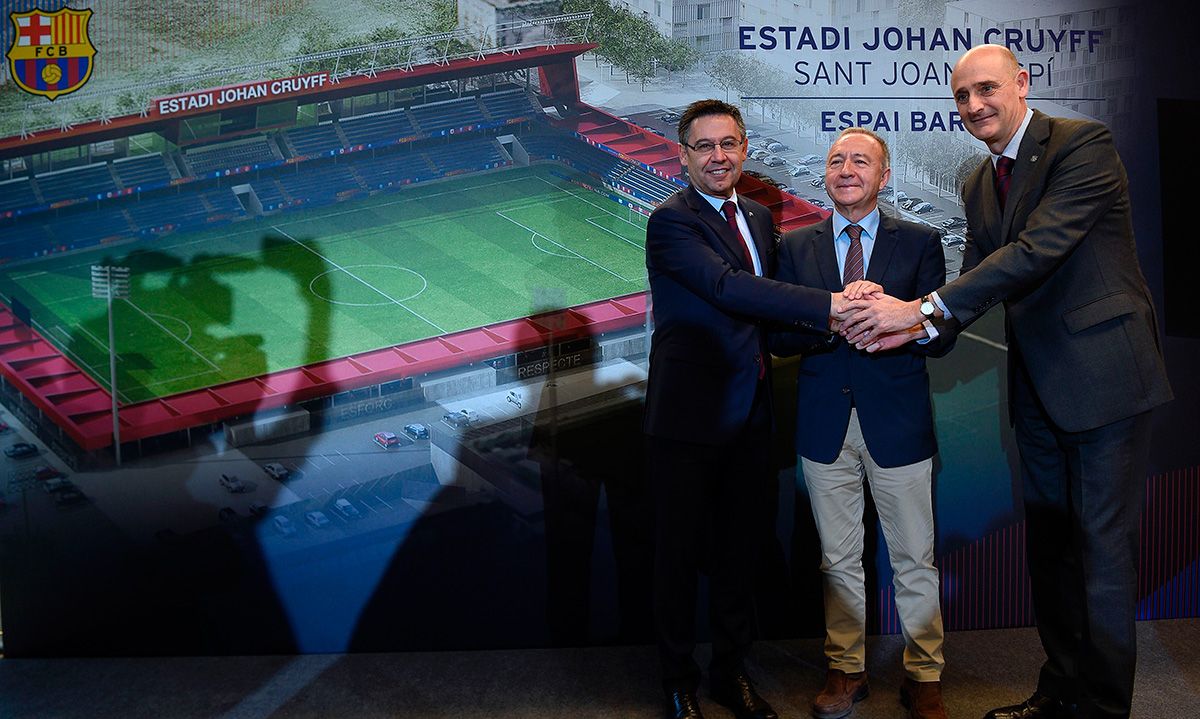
{"x":683,"y":705}
{"x":738,"y":696}
{"x":1038,"y":706}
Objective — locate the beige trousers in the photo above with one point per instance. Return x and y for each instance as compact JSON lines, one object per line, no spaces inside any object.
{"x":904,"y":499}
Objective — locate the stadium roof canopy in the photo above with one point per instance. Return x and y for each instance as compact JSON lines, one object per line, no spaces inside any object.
{"x":342,"y":73}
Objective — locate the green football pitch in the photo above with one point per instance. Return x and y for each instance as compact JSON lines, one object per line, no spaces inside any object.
{"x":301,"y":287}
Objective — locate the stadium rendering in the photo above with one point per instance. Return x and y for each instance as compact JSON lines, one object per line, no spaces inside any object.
{"x":298,"y":239}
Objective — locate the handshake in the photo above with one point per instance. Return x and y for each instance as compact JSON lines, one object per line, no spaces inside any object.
{"x":873,"y":321}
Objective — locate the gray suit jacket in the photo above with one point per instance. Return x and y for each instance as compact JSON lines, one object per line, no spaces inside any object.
{"x":1063,"y":261}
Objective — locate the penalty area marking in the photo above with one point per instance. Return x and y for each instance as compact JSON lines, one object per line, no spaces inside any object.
{"x":318,"y":295}
{"x":533,"y":241}
{"x":186,"y":326}
{"x":591,"y":262}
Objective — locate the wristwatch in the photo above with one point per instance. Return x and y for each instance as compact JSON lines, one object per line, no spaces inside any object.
{"x":928,"y":308}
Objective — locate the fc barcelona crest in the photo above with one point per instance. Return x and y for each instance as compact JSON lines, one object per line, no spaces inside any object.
{"x":51,"y":54}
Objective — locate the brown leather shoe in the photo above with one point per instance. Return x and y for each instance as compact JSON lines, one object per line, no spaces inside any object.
{"x":841,"y":691}
{"x":923,"y":700}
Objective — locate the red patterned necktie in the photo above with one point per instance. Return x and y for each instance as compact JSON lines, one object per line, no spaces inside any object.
{"x":854,"y":257}
{"x":730,"y":211}
{"x":1004,"y":167}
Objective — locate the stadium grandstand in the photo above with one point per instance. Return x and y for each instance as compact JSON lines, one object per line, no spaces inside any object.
{"x":361,"y":140}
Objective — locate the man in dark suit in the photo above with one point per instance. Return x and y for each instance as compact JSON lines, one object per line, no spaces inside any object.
{"x":868,"y":416}
{"x":1050,"y":236}
{"x":709,"y":256}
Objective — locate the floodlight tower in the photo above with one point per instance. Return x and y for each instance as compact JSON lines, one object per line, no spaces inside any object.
{"x":109,"y":283}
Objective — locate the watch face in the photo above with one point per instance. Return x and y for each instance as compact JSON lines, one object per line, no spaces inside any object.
{"x":927,"y":308}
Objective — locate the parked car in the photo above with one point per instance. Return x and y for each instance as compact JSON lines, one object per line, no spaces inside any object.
{"x":233,"y":484}
{"x":816,"y":202}
{"x":751,"y":132}
{"x":416,"y":430}
{"x":387,"y":440}
{"x":954,"y":223}
{"x":777,"y":146}
{"x":654,"y":130}
{"x":774,"y":161}
{"x":759,"y":154}
{"x":910,"y":202}
{"x":317,"y":519}
{"x":283,"y":525}
{"x":57,"y":484}
{"x":45,"y":472}
{"x":258,"y":509}
{"x":669,"y":116}
{"x":4,"y":427}
{"x":68,"y":496}
{"x":957,"y":242}
{"x":346,"y":509}
{"x":798,"y":170}
{"x":890,"y":194}
{"x":818,"y":182}
{"x":461,"y":418}
{"x":276,"y":471}
{"x":810,"y":159}
{"x":20,"y":450}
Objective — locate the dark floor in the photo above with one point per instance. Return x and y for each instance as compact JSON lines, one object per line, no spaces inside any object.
{"x":984,"y":669}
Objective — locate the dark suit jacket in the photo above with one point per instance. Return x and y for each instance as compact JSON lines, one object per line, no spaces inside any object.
{"x":889,"y":389}
{"x":1063,"y":261}
{"x":709,"y":311}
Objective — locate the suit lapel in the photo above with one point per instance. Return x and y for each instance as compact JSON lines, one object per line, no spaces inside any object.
{"x":1030,"y":151}
{"x":881,"y":253}
{"x":715,"y":220}
{"x":826,"y":254}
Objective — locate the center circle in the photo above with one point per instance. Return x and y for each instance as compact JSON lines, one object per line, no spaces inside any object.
{"x":368,"y":285}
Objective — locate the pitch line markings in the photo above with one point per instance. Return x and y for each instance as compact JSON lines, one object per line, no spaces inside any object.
{"x":591,"y":221}
{"x":424,"y":286}
{"x":561,"y":246}
{"x":533,"y":241}
{"x":364,"y":282}
{"x":572,"y":193}
{"x":186,"y":326}
{"x":159,"y":325}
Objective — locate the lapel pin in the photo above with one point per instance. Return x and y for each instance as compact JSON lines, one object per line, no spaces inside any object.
{"x":1033,"y":159}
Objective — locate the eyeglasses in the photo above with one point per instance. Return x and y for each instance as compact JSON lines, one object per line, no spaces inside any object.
{"x":705,"y":147}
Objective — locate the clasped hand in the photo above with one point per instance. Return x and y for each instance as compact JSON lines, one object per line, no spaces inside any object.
{"x":873,"y":321}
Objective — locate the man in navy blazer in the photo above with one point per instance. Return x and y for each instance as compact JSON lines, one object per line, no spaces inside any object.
{"x":868,"y":416}
{"x":709,"y":257}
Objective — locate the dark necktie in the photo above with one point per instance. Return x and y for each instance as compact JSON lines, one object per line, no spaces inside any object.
{"x":854,"y":257}
{"x":1004,"y":167}
{"x":730,"y":211}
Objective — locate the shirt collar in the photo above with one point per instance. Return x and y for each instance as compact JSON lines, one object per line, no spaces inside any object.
{"x":1010,"y":150}
{"x":717,"y":202}
{"x":870,"y":223}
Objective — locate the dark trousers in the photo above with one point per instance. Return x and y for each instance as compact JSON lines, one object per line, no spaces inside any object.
{"x":710,"y":513}
{"x":1083,"y":496}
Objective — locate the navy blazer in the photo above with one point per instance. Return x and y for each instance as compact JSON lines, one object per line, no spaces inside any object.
{"x":709,"y":313}
{"x":889,"y":389}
